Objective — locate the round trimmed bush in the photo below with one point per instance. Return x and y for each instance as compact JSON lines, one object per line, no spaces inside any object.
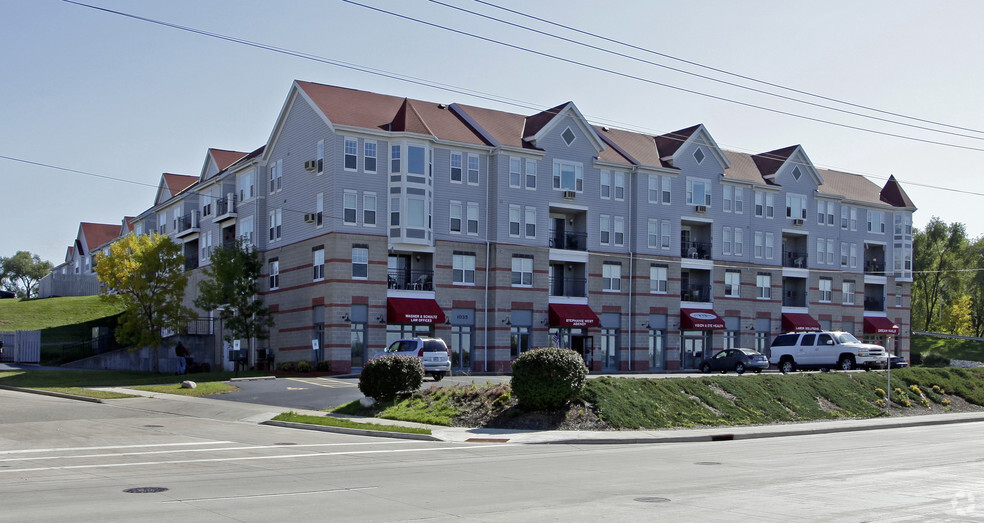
{"x":548,"y":378}
{"x":935,"y":360}
{"x":304,"y":366}
{"x":324,"y":366}
{"x":383,"y":378}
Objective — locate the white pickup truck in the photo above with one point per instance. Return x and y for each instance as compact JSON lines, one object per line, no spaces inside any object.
{"x":825,"y":350}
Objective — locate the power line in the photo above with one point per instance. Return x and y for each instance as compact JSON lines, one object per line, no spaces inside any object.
{"x":432,"y":84}
{"x":705,"y":77}
{"x":722,"y":71}
{"x":653,"y":82}
{"x":66,"y":169}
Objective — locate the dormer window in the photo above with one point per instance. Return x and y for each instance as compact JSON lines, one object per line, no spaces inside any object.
{"x":568,"y":136}
{"x":699,"y":155}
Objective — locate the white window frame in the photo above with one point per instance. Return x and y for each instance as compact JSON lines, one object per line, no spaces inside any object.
{"x":515,"y":172}
{"x":770,"y":245}
{"x":876,"y":227}
{"x":276,"y":170}
{"x":796,"y":206}
{"x":350,"y":202}
{"x":605,"y":229}
{"x":763,"y":287}
{"x":455,"y":213}
{"x":726,"y":240}
{"x":658,"y":279}
{"x":522,"y":266}
{"x":396,"y":157}
{"x":653,"y":189}
{"x":825,"y":286}
{"x":576,"y":169}
{"x":463,"y":269}
{"x":732,"y":284}
{"x":360,"y":257}
{"x":350,"y":152}
{"x":666,"y":190}
{"x":318,"y":263}
{"x":739,"y":245}
{"x":830,"y":251}
{"x":611,"y":277}
{"x":605,"y":191}
{"x":472,"y":217}
{"x":370,"y":151}
{"x":276,"y":225}
{"x":319,"y":210}
{"x":457,"y":158}
{"x":759,"y":243}
{"x":369,"y":206}
{"x":618,"y":186}
{"x":515,"y":220}
{"x":531,"y":174}
{"x":274,"y":274}
{"x":246,"y":230}
{"x":618,"y":231}
{"x":529,"y":222}
{"x":847,"y":292}
{"x":319,"y":157}
{"x":246,"y":183}
{"x":473,"y":169}
{"x":821,"y":251}
{"x":665,"y":233}
{"x":652,"y":233}
{"x":699,"y":197}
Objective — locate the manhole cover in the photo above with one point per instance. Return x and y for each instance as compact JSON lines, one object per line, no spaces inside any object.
{"x":708,"y":463}
{"x":145,"y":490}
{"x":652,"y":500}
{"x":154,"y":426}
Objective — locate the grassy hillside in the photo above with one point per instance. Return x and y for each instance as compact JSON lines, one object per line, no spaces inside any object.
{"x":52,"y":312}
{"x":952,"y":349}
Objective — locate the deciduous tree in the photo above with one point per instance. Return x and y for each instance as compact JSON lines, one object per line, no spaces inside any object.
{"x":939,"y":252}
{"x":146,"y":273}
{"x":22,"y":273}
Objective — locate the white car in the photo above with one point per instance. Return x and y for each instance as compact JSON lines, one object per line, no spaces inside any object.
{"x":825,"y":350}
{"x":433,"y":353}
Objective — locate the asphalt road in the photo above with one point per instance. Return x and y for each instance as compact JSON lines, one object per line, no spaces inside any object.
{"x":64,"y":460}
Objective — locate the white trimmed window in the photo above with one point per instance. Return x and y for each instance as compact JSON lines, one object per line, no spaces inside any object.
{"x":763,"y":286}
{"x":514,"y":218}
{"x":473,"y":169}
{"x":618,"y":223}
{"x":826,"y":286}
{"x":796,"y":206}
{"x":845,"y":221}
{"x":276,"y":224}
{"x":522,"y":271}
{"x":759,"y":244}
{"x":530,"y":222}
{"x":605,"y":228}
{"x":830,"y":252}
{"x":319,"y":209}
{"x":664,"y":235}
{"x":395,"y":159}
{"x":246,"y":229}
{"x":369,"y":156}
{"x":320,"y":157}
{"x":726,"y":241}
{"x":854,"y":218}
{"x":821,"y":250}
{"x":274,"y":274}
{"x":854,"y":255}
{"x":876,"y":222}
{"x":463,"y":269}
{"x":698,"y":191}
{"x":319,"y":264}
{"x":770,"y":245}
{"x":245,"y":187}
{"x":764,"y":204}
{"x":653,"y":233}
{"x":276,"y":176}
{"x":844,"y":250}
{"x":666,"y":184}
{"x":606,"y":184}
{"x":732,"y":284}
{"x":455,"y":224}
{"x":457,"y":172}
{"x":531,"y":174}
{"x":515,"y":171}
{"x":619,"y":181}
{"x":369,"y":209}
{"x":653,"y":188}
{"x":350,"y":202}
{"x":351,"y":154}
{"x":611,"y":277}
{"x":847,"y":289}
{"x":472,"y":224}
{"x":568,"y":176}
{"x":658,"y":279}
{"x":739,"y":241}
{"x":360,"y":263}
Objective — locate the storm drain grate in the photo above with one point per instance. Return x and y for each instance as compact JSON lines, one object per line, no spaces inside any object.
{"x":652,"y":499}
{"x":145,"y":490}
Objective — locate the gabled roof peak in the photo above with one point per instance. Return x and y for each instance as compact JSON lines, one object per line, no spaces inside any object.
{"x":893,"y":194}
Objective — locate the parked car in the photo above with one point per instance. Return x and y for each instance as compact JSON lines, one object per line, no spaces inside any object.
{"x":898,"y":362}
{"x":433,"y":353}
{"x":738,"y":360}
{"x":825,"y":350}
{"x":6,"y":294}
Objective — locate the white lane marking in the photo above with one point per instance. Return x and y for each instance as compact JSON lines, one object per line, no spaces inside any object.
{"x":61,"y":449}
{"x":251,"y":458}
{"x":282,"y":494}
{"x":325,"y":382}
{"x":174,"y":451}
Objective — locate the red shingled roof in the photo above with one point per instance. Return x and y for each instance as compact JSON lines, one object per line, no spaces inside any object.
{"x":224,"y":158}
{"x":176,"y":183}
{"x":97,"y":234}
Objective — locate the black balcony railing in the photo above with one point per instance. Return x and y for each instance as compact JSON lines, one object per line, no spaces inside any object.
{"x":874,"y":267}
{"x":188,"y":222}
{"x":698,"y":293}
{"x":225,"y":206}
{"x":572,"y":241}
{"x":569,"y":287}
{"x":695,"y":250}
{"x":793,"y":299}
{"x":199,"y":327}
{"x":874,"y":304}
{"x":412,"y":280}
{"x":794,"y":259}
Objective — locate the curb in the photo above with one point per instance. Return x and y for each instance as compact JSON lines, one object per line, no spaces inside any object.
{"x":52,"y":393}
{"x":356,"y":432}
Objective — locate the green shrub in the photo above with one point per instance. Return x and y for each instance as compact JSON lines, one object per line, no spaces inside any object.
{"x":915,"y":358}
{"x":287,"y":366}
{"x":385,"y":377}
{"x":324,"y":366}
{"x":935,"y":360}
{"x":304,"y":366}
{"x":548,"y":378}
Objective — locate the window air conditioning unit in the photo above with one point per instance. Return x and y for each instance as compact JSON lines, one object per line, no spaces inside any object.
{"x":311,"y":165}
{"x":797,"y":222}
{"x":701,"y":209}
{"x":310,"y":217}
{"x":569,"y":195}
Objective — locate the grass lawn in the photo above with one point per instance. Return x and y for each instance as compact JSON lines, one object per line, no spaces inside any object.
{"x":39,"y":379}
{"x":952,"y":349}
{"x":52,"y":312}
{"x":208,"y":388}
{"x":344,"y":423}
{"x":89,"y":393}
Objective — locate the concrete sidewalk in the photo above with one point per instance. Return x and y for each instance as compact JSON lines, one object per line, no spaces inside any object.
{"x":255,"y":413}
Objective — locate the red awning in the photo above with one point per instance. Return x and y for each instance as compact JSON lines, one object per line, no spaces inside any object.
{"x":700,"y":319}
{"x":799,"y":322}
{"x":880,"y":325}
{"x":413,"y":310}
{"x":572,"y":315}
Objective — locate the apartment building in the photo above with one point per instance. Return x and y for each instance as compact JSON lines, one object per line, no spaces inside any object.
{"x":380,"y":217}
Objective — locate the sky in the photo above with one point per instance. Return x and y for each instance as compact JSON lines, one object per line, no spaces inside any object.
{"x":107,"y":102}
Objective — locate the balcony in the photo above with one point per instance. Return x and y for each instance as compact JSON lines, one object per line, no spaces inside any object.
{"x":874,"y":304}
{"x":187,"y":224}
{"x":874,"y":259}
{"x":568,"y":240}
{"x":569,"y":287}
{"x":696,"y":293}
{"x":794,"y":259}
{"x":695,"y":250}
{"x":225,"y":208}
{"x":874,"y":267}
{"x":410,"y":280}
{"x":793,"y":299}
